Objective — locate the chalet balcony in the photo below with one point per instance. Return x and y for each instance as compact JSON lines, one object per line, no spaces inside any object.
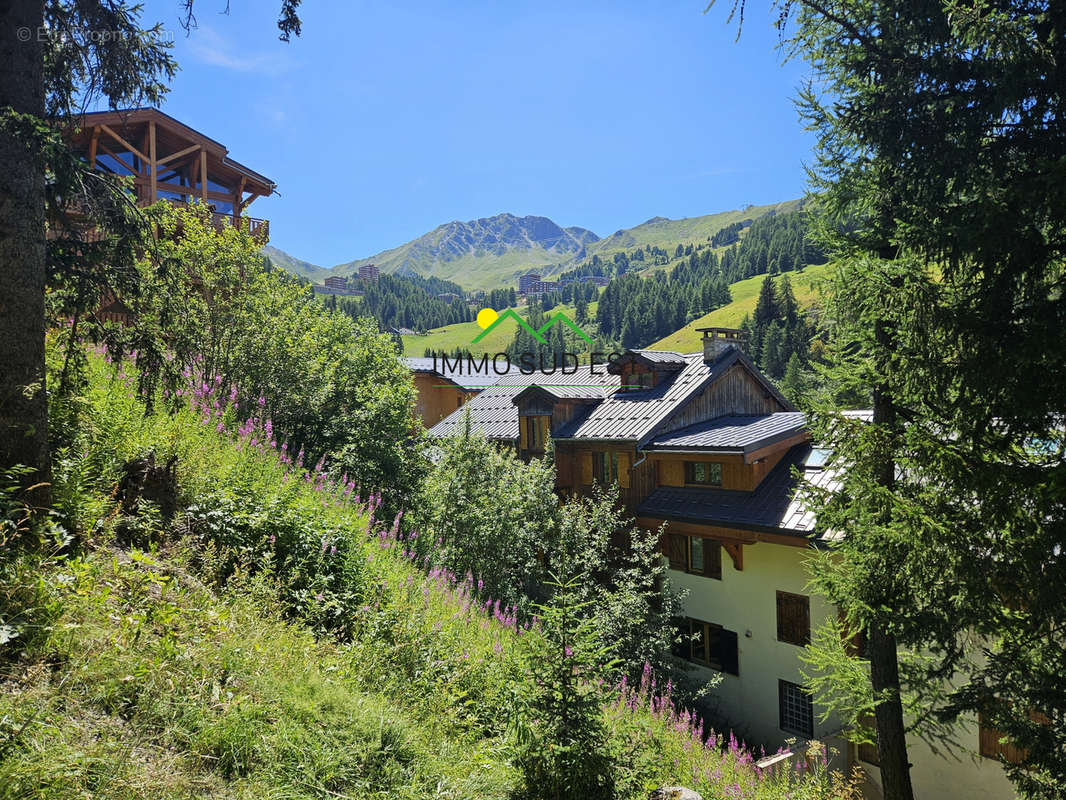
{"x":258,"y":229}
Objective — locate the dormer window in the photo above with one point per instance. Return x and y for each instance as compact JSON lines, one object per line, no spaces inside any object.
{"x":703,"y":473}
{"x":535,"y":433}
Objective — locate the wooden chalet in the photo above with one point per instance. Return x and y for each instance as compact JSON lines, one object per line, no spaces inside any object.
{"x":443,"y":386}
{"x":703,"y":441}
{"x":168,"y":160}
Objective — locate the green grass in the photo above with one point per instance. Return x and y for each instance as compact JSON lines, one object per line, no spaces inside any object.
{"x":462,"y":334}
{"x":745,"y":294}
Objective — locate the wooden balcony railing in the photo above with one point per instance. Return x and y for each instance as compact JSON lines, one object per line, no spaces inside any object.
{"x":258,"y":229}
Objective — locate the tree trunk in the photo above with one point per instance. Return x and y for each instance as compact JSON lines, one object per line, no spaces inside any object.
{"x":888,"y":716}
{"x":23,"y":403}
{"x":880,"y":645}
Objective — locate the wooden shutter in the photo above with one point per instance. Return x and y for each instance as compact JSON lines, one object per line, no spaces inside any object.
{"x":728,"y":655}
{"x":793,"y":618}
{"x":586,"y":468}
{"x":523,"y":433}
{"x":623,"y":470}
{"x":712,"y":559}
{"x":677,"y":550}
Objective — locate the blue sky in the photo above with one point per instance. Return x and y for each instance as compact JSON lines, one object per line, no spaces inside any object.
{"x":385,"y":120}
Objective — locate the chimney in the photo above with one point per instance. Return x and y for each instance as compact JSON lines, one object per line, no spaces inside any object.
{"x":719,"y":341}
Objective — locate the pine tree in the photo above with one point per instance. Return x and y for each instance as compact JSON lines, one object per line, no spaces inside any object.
{"x":946,"y":211}
{"x":766,"y":309}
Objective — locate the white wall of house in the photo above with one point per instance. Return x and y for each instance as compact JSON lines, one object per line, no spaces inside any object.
{"x":746,"y":602}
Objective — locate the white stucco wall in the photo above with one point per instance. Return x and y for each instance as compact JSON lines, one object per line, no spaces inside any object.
{"x":746,"y":602}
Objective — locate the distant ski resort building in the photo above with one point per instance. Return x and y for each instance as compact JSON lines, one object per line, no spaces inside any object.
{"x":369,"y":272}
{"x":525,"y":282}
{"x":336,"y":282}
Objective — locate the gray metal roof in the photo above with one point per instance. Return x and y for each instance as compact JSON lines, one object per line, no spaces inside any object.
{"x":772,"y":507}
{"x":463,"y":374}
{"x":664,"y":357}
{"x":494,"y":413}
{"x":631,"y":415}
{"x":740,"y":433}
{"x":635,"y":414}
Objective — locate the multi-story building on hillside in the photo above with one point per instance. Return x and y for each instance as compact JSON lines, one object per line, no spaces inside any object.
{"x":526,"y":281}
{"x":369,"y":272}
{"x":168,"y":160}
{"x":704,"y":446}
{"x":336,"y":282}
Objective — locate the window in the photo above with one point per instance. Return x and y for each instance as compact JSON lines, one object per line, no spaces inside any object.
{"x":535,"y":433}
{"x":706,"y":473}
{"x":796,"y":710}
{"x":708,"y":644}
{"x":605,"y":467}
{"x":694,"y":554}
{"x":459,"y":401}
{"x":793,"y":618}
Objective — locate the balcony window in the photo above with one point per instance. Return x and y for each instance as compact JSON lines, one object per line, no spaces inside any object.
{"x":125,"y":164}
{"x":694,"y":554}
{"x":534,"y":432}
{"x":708,"y":644}
{"x":703,"y":473}
{"x":605,"y":467}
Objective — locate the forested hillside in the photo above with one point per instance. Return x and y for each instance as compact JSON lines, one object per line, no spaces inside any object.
{"x":404,"y":302}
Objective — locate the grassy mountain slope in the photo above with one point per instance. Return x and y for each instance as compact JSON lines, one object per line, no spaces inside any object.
{"x":302,"y":269}
{"x":662,"y":232}
{"x":745,"y":294}
{"x":483,"y":253}
{"x":492,"y":252}
{"x":685,"y":340}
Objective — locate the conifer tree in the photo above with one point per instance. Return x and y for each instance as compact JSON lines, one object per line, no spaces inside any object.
{"x":943,"y":192}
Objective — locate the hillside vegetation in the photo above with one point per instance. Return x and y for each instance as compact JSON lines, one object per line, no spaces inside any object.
{"x":492,"y":252}
{"x":745,"y":294}
{"x":663,"y":232}
{"x":269,"y":638}
{"x":450,"y":337}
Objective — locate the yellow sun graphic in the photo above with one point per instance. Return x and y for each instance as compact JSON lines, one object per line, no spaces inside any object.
{"x":486,"y":317}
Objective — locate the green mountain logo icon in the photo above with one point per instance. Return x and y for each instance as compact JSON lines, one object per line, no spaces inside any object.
{"x":537,"y":334}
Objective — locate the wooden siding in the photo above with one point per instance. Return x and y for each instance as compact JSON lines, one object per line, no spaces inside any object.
{"x":736,"y":392}
{"x":434,"y":401}
{"x":574,"y":470}
{"x":735,"y":473}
